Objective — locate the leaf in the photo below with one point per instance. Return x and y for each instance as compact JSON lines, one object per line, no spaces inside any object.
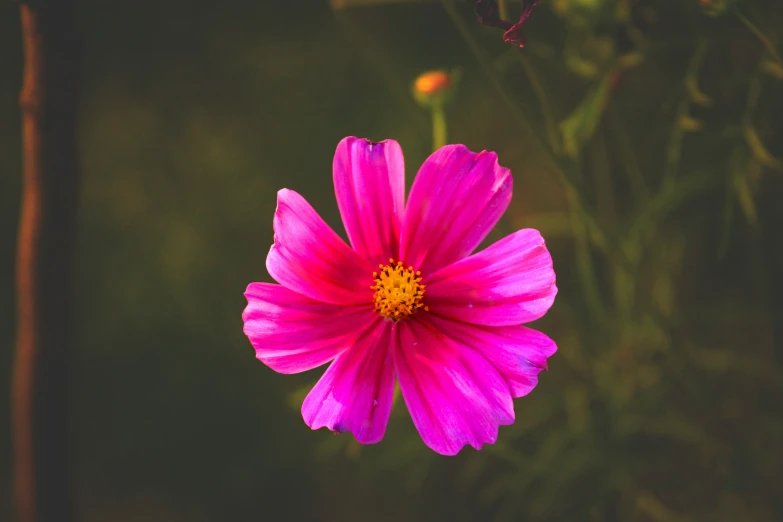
{"x":650,"y":505}
{"x":772,"y":68}
{"x":630,"y":60}
{"x":760,"y":152}
{"x":580,"y":126}
{"x":697,"y":96}
{"x":746,"y":200}
{"x":689,"y":124}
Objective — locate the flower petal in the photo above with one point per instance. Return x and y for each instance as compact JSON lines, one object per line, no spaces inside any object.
{"x":510,"y":282}
{"x":369,"y":182}
{"x":292,"y":333}
{"x":456,"y":199}
{"x":519,"y":353}
{"x":355,"y":394}
{"x":454,"y":395}
{"x":309,"y":258}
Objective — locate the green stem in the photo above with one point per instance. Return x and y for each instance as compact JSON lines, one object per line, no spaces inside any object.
{"x":503,"y":9}
{"x":486,"y":63}
{"x":761,"y":36}
{"x":627,"y":156}
{"x":584,"y":261}
{"x":582,"y":222}
{"x":674,"y":148}
{"x":438,"y":127}
{"x":602,"y":178}
{"x":546,"y":111}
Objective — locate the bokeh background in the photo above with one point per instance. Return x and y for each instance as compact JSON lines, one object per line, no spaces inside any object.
{"x":645,"y":140}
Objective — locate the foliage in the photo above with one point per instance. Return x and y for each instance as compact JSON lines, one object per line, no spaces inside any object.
{"x":657,"y":122}
{"x":645,"y":140}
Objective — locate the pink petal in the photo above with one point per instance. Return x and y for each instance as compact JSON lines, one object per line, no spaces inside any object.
{"x":309,"y":258}
{"x":511,"y":282}
{"x":292,"y":333}
{"x":456,"y":199}
{"x":355,"y":394}
{"x":454,"y":395}
{"x":369,"y":181}
{"x":519,"y":353}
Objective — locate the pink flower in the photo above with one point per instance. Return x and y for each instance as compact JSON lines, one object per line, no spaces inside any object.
{"x":408,"y":300}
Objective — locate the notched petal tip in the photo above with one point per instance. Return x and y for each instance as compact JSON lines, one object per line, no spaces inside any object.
{"x":362,"y":435}
{"x":248,"y":293}
{"x":272,"y":254}
{"x":510,"y":282}
{"x":456,"y":397}
{"x":283,"y":193}
{"x":456,"y":199}
{"x":349,"y":141}
{"x":517,"y":352}
{"x":369,"y":183}
{"x":249,"y":290}
{"x":463,"y":150}
{"x":292,"y":333}
{"x":356,"y":393}
{"x":309,"y":258}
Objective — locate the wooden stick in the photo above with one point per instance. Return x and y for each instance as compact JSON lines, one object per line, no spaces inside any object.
{"x":45,"y":257}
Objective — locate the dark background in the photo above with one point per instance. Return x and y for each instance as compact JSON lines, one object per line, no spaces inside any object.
{"x":663,"y":216}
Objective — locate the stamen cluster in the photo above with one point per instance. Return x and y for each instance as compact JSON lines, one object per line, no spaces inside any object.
{"x":398,"y":290}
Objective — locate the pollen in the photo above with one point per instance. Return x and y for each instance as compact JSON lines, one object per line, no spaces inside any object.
{"x":398,"y":290}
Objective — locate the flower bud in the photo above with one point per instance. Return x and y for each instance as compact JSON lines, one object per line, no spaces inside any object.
{"x":435,"y":87}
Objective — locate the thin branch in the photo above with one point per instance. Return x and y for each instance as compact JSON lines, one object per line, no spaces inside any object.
{"x":761,"y":36}
{"x":628,"y":157}
{"x":674,"y":148}
{"x":582,"y":221}
{"x":45,"y":261}
{"x":546,"y":111}
{"x":516,"y":112}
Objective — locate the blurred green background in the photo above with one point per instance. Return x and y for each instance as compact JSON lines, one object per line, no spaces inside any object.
{"x":645,"y":140}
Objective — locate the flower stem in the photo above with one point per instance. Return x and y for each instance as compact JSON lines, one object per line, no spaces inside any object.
{"x":502,"y":9}
{"x":677,"y":136}
{"x":583,"y":221}
{"x":760,"y":35}
{"x":438,"y":126}
{"x":546,"y":111}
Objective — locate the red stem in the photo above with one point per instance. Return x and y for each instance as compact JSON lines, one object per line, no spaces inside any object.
{"x":46,"y":246}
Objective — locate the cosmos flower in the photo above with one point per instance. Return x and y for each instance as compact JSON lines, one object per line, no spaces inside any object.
{"x":406,"y":300}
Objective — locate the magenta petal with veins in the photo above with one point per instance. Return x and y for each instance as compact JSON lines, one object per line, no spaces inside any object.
{"x":408,"y":299}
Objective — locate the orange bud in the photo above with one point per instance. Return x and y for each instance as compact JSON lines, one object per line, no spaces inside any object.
{"x":432,"y":83}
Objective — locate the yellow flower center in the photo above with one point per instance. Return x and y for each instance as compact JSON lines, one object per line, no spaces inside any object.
{"x":398,"y":290}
